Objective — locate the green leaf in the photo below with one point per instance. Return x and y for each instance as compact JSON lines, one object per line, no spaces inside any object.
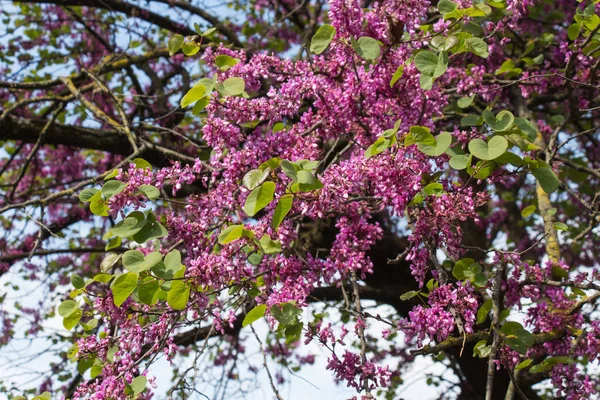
{"x":555,"y":360}
{"x":85,"y":363}
{"x":537,"y":368}
{"x":123,"y":286}
{"x":547,"y":179}
{"x":430,"y":64}
{"x":397,"y":75}
{"x":290,"y":169}
{"x":43,"y":396}
{"x":231,"y":233}
{"x":71,"y":320}
{"x":307,"y":181}
{"x":481,"y":349}
{"x":278,"y":127}
{"x":102,"y":278}
{"x":440,"y":144}
{"x":560,"y":226}
{"x":98,"y":205}
{"x":112,"y":175}
{"x":523,"y":364}
{"x":151,"y":259}
{"x":465,"y":102}
{"x":112,"y":188}
{"x":173,"y":260}
{"x":90,"y":325}
{"x":434,"y":188}
{"x":67,"y":307}
{"x":193,"y":95}
{"x":480,"y":280}
{"x":484,"y":310}
{"x":367,"y":47}
{"x":208,"y":83}
{"x":131,"y":225}
{"x":86,"y":195}
{"x":477,"y":46}
{"x":408,"y":295}
{"x":321,"y":39}
{"x":190,"y":48}
{"x":255,"y":314}
{"x":255,"y":177}
{"x":527,"y":211}
{"x":458,"y":271}
{"x":573,"y":31}
{"x":224,"y":62}
{"x":269,"y":245}
{"x":499,"y":123}
{"x":140,"y":163}
{"x":272,"y":163}
{"x":293,"y":332}
{"x":471,"y":120}
{"x":426,"y":62}
{"x":286,"y":315}
{"x":151,"y":192}
{"x":138,"y":384}
{"x":379,"y":146}
{"x":133,"y":260}
{"x":259,"y":198}
{"x":446,"y":6}
{"x":510,"y":158}
{"x":113,"y":243}
{"x":179,"y":294}
{"x":151,"y":230}
{"x":200,"y":105}
{"x":444,"y":43}
{"x":233,"y":86}
{"x":517,"y":337}
{"x":505,"y":67}
{"x":175,"y":43}
{"x":148,"y":291}
{"x":460,"y":162}
{"x":77,"y":281}
{"x":426,"y":82}
{"x":481,"y":170}
{"x":208,"y":31}
{"x":95,"y":371}
{"x":284,"y":205}
{"x":488,"y":151}
{"x":526,"y":127}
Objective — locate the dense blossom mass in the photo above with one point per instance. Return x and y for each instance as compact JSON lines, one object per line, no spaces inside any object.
{"x":380,"y":180}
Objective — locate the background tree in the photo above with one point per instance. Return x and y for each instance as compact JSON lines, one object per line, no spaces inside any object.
{"x":174,"y":171}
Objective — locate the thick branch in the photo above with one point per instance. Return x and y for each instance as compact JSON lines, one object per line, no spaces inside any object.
{"x":125,"y":8}
{"x":28,"y":130}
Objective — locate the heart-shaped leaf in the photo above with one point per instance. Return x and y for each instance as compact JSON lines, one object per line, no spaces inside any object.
{"x":465,"y":102}
{"x":367,"y":47}
{"x":499,"y":123}
{"x":488,"y":151}
{"x":460,"y":161}
{"x":255,"y":177}
{"x":440,"y":144}
{"x":175,"y":43}
{"x":321,"y":39}
{"x":233,"y":86}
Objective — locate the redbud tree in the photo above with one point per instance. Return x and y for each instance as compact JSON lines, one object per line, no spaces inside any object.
{"x":386,"y":181}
